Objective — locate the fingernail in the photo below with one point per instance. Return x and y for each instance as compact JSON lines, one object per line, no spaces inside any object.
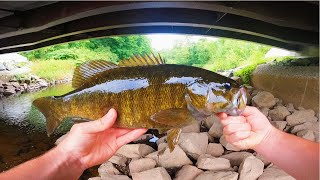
{"x":110,"y":113}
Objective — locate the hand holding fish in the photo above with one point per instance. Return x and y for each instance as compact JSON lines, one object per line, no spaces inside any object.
{"x":246,"y":131}
{"x":95,"y":142}
{"x":252,"y":130}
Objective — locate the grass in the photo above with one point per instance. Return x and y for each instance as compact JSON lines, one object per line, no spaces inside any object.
{"x":53,"y":69}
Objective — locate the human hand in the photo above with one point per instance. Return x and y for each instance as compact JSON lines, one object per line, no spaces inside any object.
{"x":93,"y":143}
{"x":246,"y":131}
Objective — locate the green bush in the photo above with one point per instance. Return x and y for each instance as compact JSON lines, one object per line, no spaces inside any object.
{"x":246,"y":73}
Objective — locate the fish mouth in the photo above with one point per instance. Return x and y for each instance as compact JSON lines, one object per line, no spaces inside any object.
{"x":238,"y":103}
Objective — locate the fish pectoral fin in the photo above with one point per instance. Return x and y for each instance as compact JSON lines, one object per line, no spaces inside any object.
{"x":173,"y":137}
{"x":175,"y":117}
{"x":76,"y":120}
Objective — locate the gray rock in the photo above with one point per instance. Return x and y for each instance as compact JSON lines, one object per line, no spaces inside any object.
{"x":215,"y":149}
{"x":273,"y":173}
{"x":236,"y":158}
{"x":251,"y":168}
{"x":227,"y":145}
{"x":115,"y":177}
{"x":210,"y":138}
{"x":192,"y":128}
{"x":2,"y":67}
{"x":279,"y":124}
{"x":9,"y":90}
{"x":265,"y":111}
{"x":162,"y":146}
{"x":187,"y":172}
{"x":154,"y":156}
{"x":119,"y":160}
{"x":176,"y":158}
{"x":265,"y":161}
{"x":208,"y":122}
{"x":307,"y":134}
{"x":162,"y":140}
{"x":313,"y":126}
{"x":264,"y":99}
{"x":135,"y":150}
{"x":211,"y":175}
{"x":106,"y":169}
{"x":279,"y":113}
{"x":290,"y":108}
{"x":42,"y":83}
{"x":194,"y":144}
{"x":142,"y":165}
{"x":302,"y":116}
{"x":208,"y":162}
{"x":155,"y":174}
{"x":216,"y":129}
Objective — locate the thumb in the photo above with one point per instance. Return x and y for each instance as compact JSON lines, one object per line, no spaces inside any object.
{"x":101,"y":124}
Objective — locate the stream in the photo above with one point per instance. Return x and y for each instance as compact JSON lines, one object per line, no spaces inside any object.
{"x":22,"y":127}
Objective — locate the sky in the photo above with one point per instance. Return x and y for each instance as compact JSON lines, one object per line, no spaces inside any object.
{"x":166,"y":41}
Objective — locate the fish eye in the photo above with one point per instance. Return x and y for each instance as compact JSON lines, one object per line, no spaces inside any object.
{"x":227,"y":86}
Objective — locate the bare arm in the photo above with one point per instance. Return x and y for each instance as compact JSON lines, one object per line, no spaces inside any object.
{"x":295,"y":155}
{"x":252,"y":130}
{"x":87,"y":144}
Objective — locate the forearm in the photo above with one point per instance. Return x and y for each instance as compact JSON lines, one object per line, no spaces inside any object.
{"x":297,"y":156}
{"x":52,"y":165}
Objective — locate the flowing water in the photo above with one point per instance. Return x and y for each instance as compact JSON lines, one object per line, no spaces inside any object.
{"x":22,"y":127}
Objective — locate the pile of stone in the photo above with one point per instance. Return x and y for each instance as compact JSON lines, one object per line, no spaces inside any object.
{"x":26,"y":84}
{"x":202,"y":152}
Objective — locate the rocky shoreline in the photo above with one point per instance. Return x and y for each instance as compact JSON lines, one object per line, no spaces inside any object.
{"x":27,"y":84}
{"x":203,"y":153}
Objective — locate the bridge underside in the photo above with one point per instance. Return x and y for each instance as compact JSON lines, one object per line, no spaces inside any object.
{"x":289,"y":25}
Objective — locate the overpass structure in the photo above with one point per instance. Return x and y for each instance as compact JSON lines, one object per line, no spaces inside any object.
{"x":29,"y":25}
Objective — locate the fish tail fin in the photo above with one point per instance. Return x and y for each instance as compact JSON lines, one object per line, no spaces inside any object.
{"x":49,"y":107}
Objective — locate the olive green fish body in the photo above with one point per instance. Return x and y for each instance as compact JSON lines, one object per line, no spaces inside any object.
{"x":148,"y":95}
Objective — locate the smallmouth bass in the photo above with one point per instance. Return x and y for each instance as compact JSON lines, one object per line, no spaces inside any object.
{"x":147,"y":93}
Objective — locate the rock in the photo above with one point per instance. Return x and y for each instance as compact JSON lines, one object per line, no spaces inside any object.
{"x":192,"y":128}
{"x":290,"y":108}
{"x":115,"y":177}
{"x":273,"y":173}
{"x":307,"y":134}
{"x":279,"y":113}
{"x":299,"y":117}
{"x":313,"y":126}
{"x":154,"y":156}
{"x":208,"y":122}
{"x":162,"y":140}
{"x":208,"y":162}
{"x":162,"y":146}
{"x":279,"y":124}
{"x":236,"y":158}
{"x":176,"y":158}
{"x":264,"y":99}
{"x":118,"y":160}
{"x":265,"y":111}
{"x":265,"y":161}
{"x":2,"y":67}
{"x":135,"y":150}
{"x":215,"y":149}
{"x":155,"y":174}
{"x":142,"y":165}
{"x":42,"y":83}
{"x":210,"y":175}
{"x":227,"y":145}
{"x":15,"y":84}
{"x":251,"y":168}
{"x":210,"y":138}
{"x":194,"y":144}
{"x":60,"y":139}
{"x":216,"y":129}
{"x":187,"y":172}
{"x":107,"y":168}
{"x":9,"y":90}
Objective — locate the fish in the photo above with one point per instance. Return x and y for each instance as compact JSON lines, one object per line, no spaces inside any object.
{"x":147,"y":93}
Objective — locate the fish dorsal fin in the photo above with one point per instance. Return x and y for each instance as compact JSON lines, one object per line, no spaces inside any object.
{"x":146,"y":60}
{"x":89,"y":69}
